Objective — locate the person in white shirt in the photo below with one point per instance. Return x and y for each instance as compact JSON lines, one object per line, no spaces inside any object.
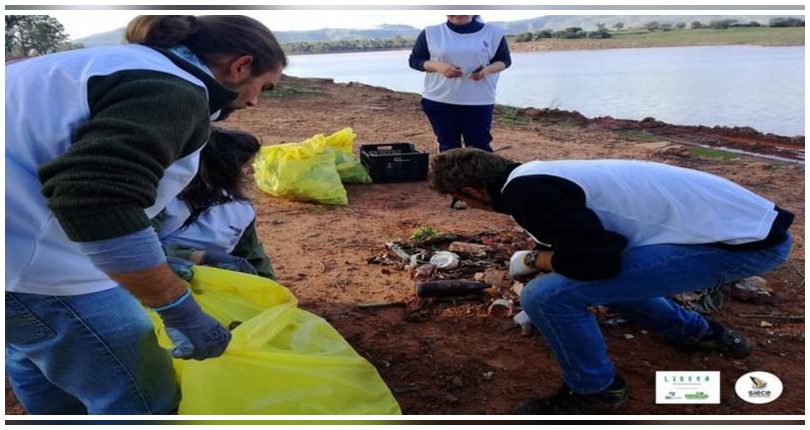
{"x":625,"y":234}
{"x":462,"y":58}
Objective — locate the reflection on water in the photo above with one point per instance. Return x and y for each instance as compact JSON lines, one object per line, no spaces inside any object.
{"x":749,"y":86}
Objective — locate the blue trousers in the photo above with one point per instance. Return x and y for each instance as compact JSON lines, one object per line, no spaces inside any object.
{"x":452,"y":122}
{"x":87,"y":354}
{"x":557,"y":305}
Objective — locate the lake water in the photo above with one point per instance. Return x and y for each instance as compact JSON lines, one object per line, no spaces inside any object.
{"x":759,"y":87}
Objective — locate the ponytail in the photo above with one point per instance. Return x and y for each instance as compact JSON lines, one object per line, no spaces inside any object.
{"x":216,"y":39}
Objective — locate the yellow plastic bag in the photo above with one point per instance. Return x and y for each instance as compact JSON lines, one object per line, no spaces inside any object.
{"x":349,"y":168}
{"x":300,"y":171}
{"x":281,"y":359}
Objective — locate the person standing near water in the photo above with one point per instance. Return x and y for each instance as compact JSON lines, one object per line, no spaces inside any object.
{"x":462,"y":58}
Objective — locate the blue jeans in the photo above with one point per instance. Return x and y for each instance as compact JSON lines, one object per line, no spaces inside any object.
{"x":451,"y":122}
{"x":557,"y":305}
{"x":88,"y":354}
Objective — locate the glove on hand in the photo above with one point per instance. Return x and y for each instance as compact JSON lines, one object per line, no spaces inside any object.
{"x":522,"y":264}
{"x":228,"y":262}
{"x":195,"y":335}
{"x":181,"y":267}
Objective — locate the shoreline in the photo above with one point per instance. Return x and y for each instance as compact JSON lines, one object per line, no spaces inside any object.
{"x":546,"y":45}
{"x":747,"y":140}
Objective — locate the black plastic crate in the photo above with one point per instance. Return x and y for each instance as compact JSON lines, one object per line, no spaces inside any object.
{"x":394,"y":162}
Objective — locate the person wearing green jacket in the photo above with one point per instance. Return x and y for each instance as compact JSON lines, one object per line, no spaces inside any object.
{"x":98,"y":141}
{"x":212,"y":222}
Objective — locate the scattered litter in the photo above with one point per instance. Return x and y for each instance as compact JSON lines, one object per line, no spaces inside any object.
{"x":474,"y":249}
{"x":522,"y":319}
{"x":500,"y":308}
{"x":444,"y":260}
{"x":488,"y":375}
{"x":614,"y":321}
{"x":517,"y":288}
{"x":628,"y":336}
{"x":765,"y":324}
{"x":708,"y":301}
{"x":753,"y":288}
{"x":423,"y":272}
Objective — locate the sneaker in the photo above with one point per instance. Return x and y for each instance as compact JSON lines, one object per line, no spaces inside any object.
{"x":724,"y":340}
{"x":567,"y":402}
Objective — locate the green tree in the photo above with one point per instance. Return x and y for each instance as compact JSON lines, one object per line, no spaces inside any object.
{"x":618,"y":26}
{"x":28,"y":35}
{"x":696,"y":25}
{"x":652,"y":26}
{"x":680,"y":25}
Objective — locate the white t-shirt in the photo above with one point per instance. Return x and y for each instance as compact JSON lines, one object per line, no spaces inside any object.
{"x":468,"y":51}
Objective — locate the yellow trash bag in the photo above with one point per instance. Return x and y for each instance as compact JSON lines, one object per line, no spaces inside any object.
{"x":281,"y":359}
{"x":349,"y":168}
{"x":300,"y":171}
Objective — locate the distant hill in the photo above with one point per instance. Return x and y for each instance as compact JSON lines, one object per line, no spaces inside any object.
{"x":388,"y":31}
{"x":384,"y":31}
{"x":588,"y":22}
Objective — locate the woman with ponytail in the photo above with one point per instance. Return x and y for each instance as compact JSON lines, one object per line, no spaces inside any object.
{"x":98,"y":141}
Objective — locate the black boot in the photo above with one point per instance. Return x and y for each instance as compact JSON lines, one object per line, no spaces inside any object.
{"x":724,"y":340}
{"x":567,"y":402}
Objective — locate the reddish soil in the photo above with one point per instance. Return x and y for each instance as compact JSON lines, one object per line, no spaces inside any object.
{"x":452,"y":357}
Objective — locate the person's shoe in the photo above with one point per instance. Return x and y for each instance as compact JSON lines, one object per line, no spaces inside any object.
{"x":724,"y":340}
{"x":571,"y":403}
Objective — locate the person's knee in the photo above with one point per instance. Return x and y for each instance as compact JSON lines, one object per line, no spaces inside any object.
{"x":542,"y":297}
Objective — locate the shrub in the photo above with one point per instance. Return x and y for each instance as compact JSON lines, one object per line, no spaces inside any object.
{"x":542,"y":34}
{"x":599,"y":34}
{"x":786,"y":22}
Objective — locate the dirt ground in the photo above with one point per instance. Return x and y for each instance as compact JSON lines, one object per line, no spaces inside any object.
{"x":454,"y":358}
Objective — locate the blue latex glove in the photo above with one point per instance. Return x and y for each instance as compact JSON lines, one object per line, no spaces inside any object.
{"x":227,"y":262}
{"x":195,"y":335}
{"x":181,"y":267}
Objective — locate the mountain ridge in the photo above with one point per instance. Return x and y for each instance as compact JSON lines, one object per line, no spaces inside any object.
{"x":388,"y":31}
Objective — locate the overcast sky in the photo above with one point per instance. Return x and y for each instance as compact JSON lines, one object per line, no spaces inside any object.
{"x":85,"y":23}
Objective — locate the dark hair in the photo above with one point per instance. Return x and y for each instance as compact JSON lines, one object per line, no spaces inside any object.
{"x":220,"y":178}
{"x":213,"y":38}
{"x":452,"y":170}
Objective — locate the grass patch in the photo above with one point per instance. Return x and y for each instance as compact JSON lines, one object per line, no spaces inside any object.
{"x":731,"y":36}
{"x":636,"y":135}
{"x":714,"y":153}
{"x":293,"y":90}
{"x":509,"y":115}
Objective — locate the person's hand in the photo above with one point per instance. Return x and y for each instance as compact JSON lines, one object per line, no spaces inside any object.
{"x":228,"y":262}
{"x":195,"y":335}
{"x":181,"y":267}
{"x":479,"y":73}
{"x":522,"y":264}
{"x":449,"y":70}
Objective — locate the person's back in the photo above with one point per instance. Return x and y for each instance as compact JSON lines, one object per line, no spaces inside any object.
{"x":62,"y":92}
{"x":212,"y":221}
{"x":650,"y":203}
